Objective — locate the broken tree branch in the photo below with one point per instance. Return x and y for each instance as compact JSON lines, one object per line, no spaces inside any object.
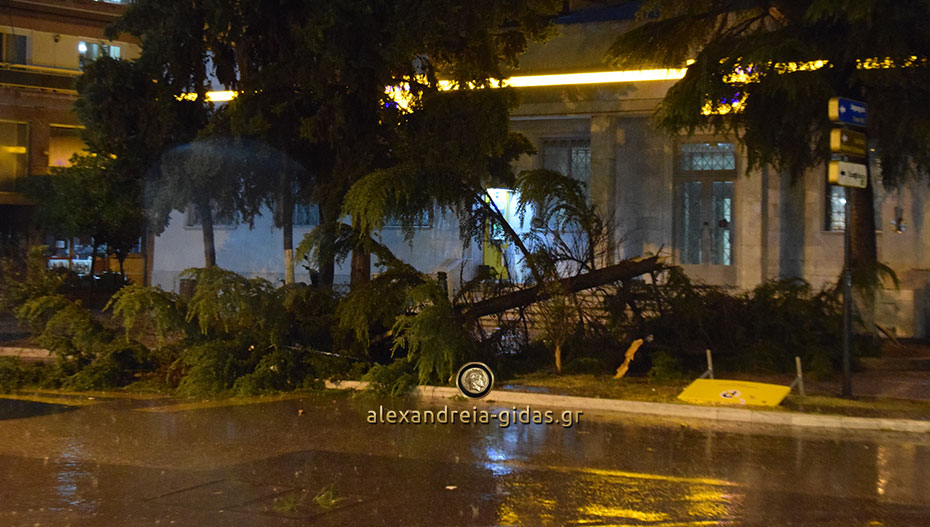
{"x":621,"y":271}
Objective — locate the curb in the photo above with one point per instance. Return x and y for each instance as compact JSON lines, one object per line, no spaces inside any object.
{"x":30,"y":354}
{"x":715,"y":413}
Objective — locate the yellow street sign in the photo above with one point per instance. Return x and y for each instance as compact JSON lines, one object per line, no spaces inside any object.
{"x":848,"y":142}
{"x":721,"y":391}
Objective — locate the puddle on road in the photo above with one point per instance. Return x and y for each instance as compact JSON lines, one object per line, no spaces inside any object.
{"x":23,"y":407}
{"x":263,"y":464}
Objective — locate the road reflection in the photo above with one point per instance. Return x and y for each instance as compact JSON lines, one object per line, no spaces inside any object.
{"x":123,"y":467}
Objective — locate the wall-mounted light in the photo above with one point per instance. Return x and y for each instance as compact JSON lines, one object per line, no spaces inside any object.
{"x":56,"y":38}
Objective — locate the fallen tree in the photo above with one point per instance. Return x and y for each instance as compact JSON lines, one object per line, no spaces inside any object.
{"x":624,"y":270}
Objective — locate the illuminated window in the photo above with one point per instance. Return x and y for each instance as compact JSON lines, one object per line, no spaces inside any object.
{"x":14,"y":157}
{"x":836,"y":208}
{"x":13,"y":48}
{"x":63,"y":142}
{"x":90,"y":51}
{"x":835,"y":203}
{"x":704,"y":184}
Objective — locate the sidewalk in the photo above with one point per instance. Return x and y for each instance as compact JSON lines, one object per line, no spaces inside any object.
{"x":886,"y":384}
{"x":714,"y":413}
{"x":912,"y":385}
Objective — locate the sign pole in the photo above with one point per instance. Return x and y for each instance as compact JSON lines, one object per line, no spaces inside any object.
{"x":846,"y":143}
{"x":847,"y":302}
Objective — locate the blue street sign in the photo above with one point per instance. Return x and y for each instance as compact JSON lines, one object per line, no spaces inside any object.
{"x":846,"y":111}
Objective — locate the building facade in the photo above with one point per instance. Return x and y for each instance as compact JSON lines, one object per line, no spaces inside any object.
{"x":691,"y":199}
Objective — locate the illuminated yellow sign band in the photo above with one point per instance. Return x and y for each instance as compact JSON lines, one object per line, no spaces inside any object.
{"x":742,"y":75}
{"x":212,"y":96}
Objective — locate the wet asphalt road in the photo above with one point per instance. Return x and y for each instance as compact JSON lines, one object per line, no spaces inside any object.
{"x":112,"y":465}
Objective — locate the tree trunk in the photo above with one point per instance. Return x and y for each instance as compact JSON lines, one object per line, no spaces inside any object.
{"x":621,"y":271}
{"x":286,"y":200}
{"x":558,"y":358}
{"x":328,"y":262}
{"x":206,"y":224}
{"x":361,"y":265}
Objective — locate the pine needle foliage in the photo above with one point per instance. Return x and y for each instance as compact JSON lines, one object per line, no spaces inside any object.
{"x":453,"y":148}
{"x":337,"y":240}
{"x":434,"y":338}
{"x":282,"y":369}
{"x":374,"y":307}
{"x":138,"y":306}
{"x":760,"y":330}
{"x":226,"y":303}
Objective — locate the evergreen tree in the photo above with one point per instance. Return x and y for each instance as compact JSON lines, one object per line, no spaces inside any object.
{"x":783,"y":60}
{"x":322,"y":68}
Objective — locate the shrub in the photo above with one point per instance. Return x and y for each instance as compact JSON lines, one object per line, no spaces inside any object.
{"x":397,"y":378}
{"x":283,"y":369}
{"x":16,"y":374}
{"x":213,"y":366}
{"x":761,"y":330}
{"x":65,"y":328}
{"x":585,"y":365}
{"x":116,"y":366}
{"x":665,"y":367}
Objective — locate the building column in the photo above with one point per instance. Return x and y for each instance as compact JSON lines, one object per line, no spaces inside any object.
{"x":749,"y":209}
{"x":792,"y":222}
{"x":603,"y":183}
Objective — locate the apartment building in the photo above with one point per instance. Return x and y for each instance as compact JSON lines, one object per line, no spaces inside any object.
{"x":43,"y":46}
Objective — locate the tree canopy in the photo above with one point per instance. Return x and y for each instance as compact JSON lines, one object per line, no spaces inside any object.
{"x":783,"y":60}
{"x":779,"y":62}
{"x":314,"y":76}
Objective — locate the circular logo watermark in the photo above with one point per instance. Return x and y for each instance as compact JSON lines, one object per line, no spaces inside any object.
{"x":474,"y":380}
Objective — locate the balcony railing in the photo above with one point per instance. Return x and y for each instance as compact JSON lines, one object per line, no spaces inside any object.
{"x":42,"y":77}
